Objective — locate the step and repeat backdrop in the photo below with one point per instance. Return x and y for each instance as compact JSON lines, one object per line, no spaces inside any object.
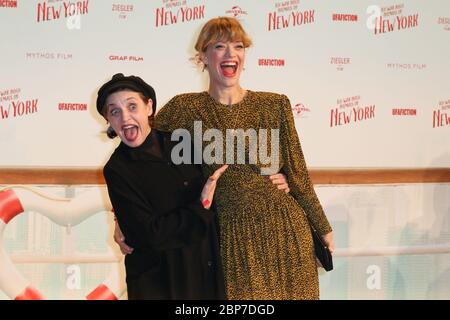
{"x":368,"y":83}
{"x":367,"y":80}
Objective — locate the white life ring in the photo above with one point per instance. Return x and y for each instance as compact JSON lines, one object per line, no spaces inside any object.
{"x":64,"y":212}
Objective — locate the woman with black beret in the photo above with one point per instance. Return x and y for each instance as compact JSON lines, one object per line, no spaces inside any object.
{"x":162,"y":208}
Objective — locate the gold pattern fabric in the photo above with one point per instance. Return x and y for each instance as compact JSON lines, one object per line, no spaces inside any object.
{"x":265,"y":241}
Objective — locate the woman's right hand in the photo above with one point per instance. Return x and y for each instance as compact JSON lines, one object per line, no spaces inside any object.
{"x":210,"y":187}
{"x":119,"y":238}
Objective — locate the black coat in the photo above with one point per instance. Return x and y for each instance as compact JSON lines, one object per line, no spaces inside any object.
{"x":175,"y":240}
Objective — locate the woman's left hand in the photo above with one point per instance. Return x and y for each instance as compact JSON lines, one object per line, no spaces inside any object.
{"x":328,"y":238}
{"x":280,"y":181}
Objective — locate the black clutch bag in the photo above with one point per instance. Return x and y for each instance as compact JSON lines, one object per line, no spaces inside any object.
{"x":321,"y":249}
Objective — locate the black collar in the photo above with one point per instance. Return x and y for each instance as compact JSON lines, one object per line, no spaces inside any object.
{"x":156,"y":147}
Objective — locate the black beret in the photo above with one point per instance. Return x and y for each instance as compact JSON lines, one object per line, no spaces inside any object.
{"x":119,"y":81}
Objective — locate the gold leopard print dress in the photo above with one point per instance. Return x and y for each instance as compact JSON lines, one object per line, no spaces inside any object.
{"x":265,"y":240}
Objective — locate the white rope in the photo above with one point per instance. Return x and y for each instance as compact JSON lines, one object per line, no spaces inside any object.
{"x":36,"y":191}
{"x":341,"y":252}
{"x":392,"y":251}
{"x":66,"y":259}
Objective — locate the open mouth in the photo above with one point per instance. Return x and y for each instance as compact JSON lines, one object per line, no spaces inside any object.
{"x":130,"y":132}
{"x":229,"y":68}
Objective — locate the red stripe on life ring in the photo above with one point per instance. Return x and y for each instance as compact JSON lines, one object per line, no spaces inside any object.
{"x":102,"y":292}
{"x":10,"y":205}
{"x":30,"y":293}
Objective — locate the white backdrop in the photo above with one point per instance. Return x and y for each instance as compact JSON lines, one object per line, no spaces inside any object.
{"x":324,"y":65}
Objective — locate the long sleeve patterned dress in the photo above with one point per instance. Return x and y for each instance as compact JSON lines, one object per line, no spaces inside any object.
{"x":265,"y":241}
